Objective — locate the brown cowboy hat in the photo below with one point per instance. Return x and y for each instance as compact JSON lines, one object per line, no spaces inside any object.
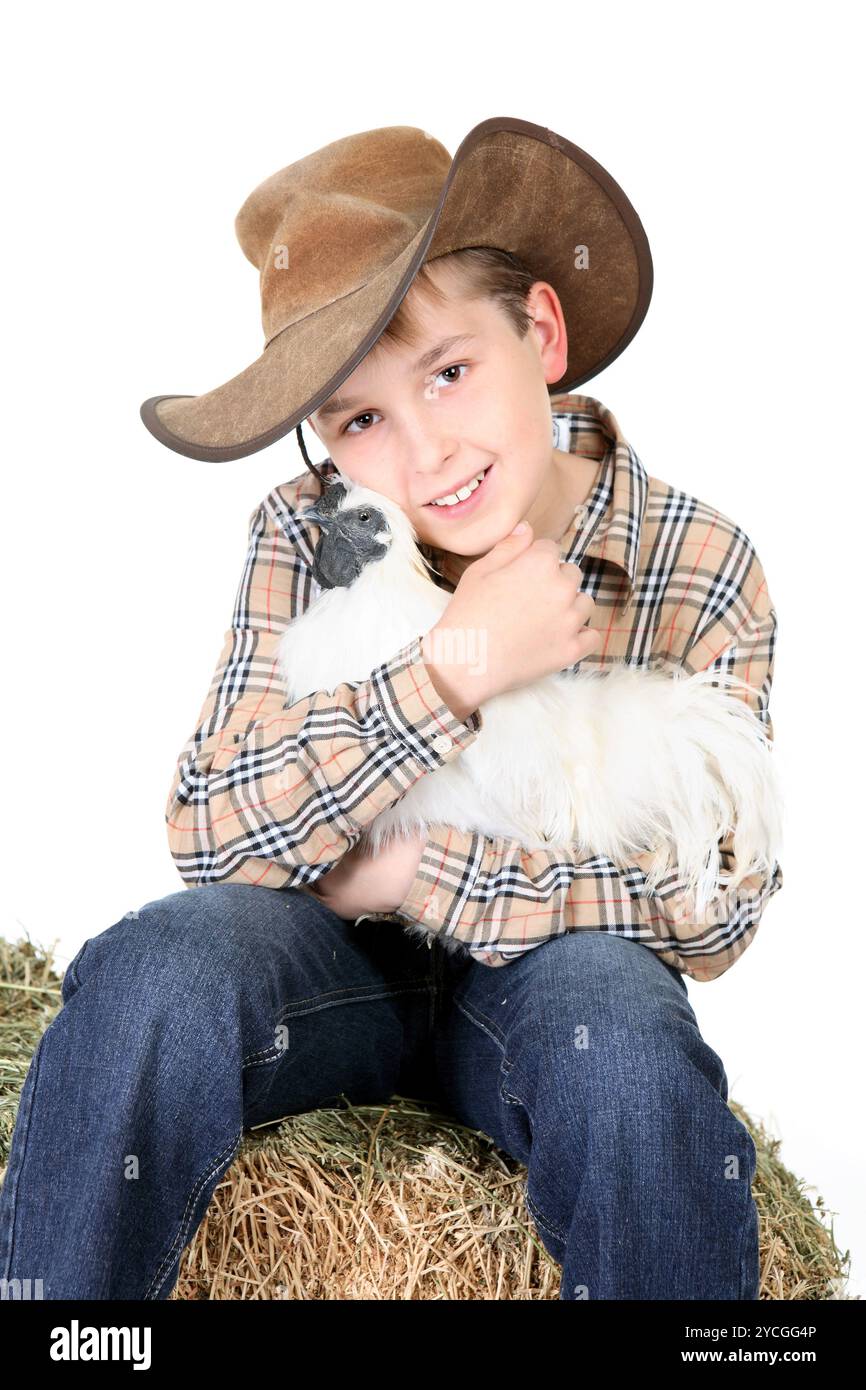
{"x":338,"y":237}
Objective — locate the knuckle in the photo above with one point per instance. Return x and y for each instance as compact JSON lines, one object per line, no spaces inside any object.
{"x":586,"y":604}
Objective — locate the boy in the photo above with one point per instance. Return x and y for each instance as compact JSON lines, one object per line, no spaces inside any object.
{"x":583,"y":1058}
{"x":494,"y":416}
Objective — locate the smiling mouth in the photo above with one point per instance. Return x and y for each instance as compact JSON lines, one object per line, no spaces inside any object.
{"x":453,"y":499}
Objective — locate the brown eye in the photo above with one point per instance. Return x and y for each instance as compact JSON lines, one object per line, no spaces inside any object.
{"x":455,"y":367}
{"x":365,"y":415}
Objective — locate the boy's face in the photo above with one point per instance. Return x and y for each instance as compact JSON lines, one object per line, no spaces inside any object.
{"x":417,"y":429}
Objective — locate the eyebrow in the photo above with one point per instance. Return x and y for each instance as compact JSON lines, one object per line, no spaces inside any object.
{"x":339,"y":404}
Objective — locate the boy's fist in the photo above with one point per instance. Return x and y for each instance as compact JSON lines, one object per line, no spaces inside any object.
{"x":519,"y":608}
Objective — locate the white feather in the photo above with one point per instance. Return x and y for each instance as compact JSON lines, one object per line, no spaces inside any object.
{"x":613,"y":762}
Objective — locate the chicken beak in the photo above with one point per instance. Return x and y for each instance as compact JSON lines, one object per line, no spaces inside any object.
{"x":313,"y":514}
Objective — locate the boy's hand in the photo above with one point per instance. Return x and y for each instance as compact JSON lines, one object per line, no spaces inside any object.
{"x":524,"y":601}
{"x":370,"y":883}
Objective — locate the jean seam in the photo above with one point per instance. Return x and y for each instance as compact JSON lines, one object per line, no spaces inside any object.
{"x":267,"y":1054}
{"x":538,"y":1218}
{"x":745,"y":1236}
{"x":262,"y":1057}
{"x":355,"y":994}
{"x":292,"y":1010}
{"x":21,"y":1147}
{"x":511,"y":1099}
{"x":179,"y":1241}
{"x":481,"y":1021}
{"x":742,"y":1269}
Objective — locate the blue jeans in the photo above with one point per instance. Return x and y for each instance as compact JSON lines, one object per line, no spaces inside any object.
{"x":224,"y":1006}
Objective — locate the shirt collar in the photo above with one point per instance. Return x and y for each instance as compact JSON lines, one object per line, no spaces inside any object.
{"x":607,"y":526}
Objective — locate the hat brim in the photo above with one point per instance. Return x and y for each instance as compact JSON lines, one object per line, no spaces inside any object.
{"x":563,"y":214}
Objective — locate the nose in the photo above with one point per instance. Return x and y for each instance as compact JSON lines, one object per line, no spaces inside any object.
{"x":429,"y":457}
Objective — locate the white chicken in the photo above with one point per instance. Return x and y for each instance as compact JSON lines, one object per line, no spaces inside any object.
{"x":612,"y":762}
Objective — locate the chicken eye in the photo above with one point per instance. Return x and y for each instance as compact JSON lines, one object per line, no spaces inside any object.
{"x":365,"y":516}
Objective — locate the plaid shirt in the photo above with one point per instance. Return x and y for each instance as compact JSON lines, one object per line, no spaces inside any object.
{"x":274,"y":795}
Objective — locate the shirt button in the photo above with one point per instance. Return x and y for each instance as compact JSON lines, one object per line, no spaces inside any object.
{"x":443,"y":743}
{"x":580,"y":511}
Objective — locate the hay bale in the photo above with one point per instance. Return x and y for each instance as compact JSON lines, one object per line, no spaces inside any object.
{"x":392,"y":1201}
{"x":385,"y":1202}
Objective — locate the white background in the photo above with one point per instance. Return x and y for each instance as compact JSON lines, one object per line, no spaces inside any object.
{"x":132,"y":138}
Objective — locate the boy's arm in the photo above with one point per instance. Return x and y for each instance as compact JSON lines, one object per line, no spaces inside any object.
{"x":269,"y":794}
{"x":502,"y":900}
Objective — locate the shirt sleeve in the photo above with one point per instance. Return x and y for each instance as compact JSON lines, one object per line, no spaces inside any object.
{"x":502,"y":900}
{"x":271,"y":794}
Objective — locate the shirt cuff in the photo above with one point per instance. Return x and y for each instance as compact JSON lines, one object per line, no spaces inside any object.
{"x":430,"y":899}
{"x":403,"y":693}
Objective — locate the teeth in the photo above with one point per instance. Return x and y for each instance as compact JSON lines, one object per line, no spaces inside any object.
{"x":460,"y":496}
